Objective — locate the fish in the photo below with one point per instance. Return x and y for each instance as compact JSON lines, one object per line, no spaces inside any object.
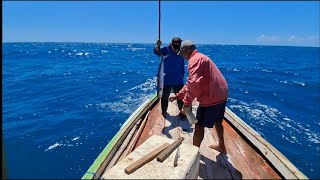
{"x":160,"y":78}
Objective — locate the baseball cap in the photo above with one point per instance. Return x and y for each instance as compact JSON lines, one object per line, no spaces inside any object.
{"x":187,"y":44}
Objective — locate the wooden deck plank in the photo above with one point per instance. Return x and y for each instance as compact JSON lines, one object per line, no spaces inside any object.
{"x":136,"y":136}
{"x":149,"y":129}
{"x":215,"y":162}
{"x":237,"y":165}
{"x":123,"y":146}
{"x":145,"y":159}
{"x":164,"y":154}
{"x":258,"y":166}
{"x":174,"y":125}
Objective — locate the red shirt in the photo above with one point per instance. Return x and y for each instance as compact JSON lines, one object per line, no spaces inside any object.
{"x":205,"y":82}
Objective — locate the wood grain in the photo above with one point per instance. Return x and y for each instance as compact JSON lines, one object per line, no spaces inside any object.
{"x":145,"y":159}
{"x":164,"y":154}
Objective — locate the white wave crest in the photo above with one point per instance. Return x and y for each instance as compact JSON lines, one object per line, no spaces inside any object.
{"x":53,"y":146}
{"x":300,"y":83}
{"x":135,"y":49}
{"x":66,"y":143}
{"x":132,"y":98}
{"x":265,"y":115}
{"x":293,"y":82}
{"x":76,"y":138}
{"x":149,"y":85}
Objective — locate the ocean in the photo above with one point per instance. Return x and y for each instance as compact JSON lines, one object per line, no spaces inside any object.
{"x":63,"y":102}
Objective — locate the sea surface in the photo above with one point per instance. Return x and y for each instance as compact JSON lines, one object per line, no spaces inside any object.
{"x":63,"y":102}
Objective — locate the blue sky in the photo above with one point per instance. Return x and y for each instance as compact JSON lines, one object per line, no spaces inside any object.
{"x":208,"y":22}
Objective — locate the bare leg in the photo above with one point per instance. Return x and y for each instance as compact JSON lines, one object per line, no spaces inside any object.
{"x":198,"y":135}
{"x":220,"y":147}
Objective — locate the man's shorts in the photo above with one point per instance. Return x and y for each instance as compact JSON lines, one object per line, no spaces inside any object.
{"x":207,"y":116}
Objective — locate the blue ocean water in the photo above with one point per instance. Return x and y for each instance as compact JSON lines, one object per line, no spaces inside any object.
{"x":63,"y":102}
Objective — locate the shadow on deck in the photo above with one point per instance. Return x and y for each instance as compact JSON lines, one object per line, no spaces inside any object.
{"x":241,"y":162}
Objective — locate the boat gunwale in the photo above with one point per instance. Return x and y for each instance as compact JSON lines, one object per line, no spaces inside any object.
{"x":280,"y":162}
{"x":97,"y":168}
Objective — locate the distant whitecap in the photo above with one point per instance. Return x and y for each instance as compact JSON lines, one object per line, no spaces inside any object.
{"x":53,"y":146}
{"x":287,"y":119}
{"x":76,"y":138}
{"x":300,"y":83}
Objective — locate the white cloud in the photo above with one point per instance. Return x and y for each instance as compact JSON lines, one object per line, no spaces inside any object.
{"x":313,"y":40}
{"x":267,"y":38}
{"x":294,"y":38}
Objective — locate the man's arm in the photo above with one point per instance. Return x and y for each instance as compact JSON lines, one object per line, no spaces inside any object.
{"x":192,"y":88}
{"x":157,"y":50}
{"x":182,"y":92}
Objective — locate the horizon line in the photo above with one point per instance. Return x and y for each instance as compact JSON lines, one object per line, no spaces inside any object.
{"x":162,"y":43}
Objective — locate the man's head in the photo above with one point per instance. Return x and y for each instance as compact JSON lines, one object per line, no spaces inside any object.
{"x":186,"y":49}
{"x":175,"y":44}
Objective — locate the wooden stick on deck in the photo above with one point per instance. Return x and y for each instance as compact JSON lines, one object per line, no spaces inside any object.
{"x":164,"y":154}
{"x":175,"y":162}
{"x":145,"y":159}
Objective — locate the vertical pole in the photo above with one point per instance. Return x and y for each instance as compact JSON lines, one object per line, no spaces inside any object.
{"x":159,"y":19}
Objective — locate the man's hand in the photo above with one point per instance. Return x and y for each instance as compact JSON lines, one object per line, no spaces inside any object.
{"x":157,"y":48}
{"x":186,"y":106}
{"x":159,"y":43}
{"x":173,"y":98}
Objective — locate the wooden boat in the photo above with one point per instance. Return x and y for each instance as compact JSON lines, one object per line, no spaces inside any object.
{"x":249,"y":156}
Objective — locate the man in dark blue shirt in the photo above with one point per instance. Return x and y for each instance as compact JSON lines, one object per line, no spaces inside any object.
{"x":173,"y":70}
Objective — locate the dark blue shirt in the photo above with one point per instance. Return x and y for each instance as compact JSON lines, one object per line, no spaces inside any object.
{"x":173,"y":66}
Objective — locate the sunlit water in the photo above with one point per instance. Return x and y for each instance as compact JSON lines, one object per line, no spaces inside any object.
{"x":63,"y":102}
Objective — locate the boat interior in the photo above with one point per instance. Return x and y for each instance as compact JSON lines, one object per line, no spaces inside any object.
{"x":242,"y":161}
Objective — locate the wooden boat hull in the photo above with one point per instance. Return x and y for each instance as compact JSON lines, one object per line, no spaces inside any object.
{"x":249,"y":156}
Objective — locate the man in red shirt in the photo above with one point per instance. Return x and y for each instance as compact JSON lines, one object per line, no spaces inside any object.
{"x":207,"y":84}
